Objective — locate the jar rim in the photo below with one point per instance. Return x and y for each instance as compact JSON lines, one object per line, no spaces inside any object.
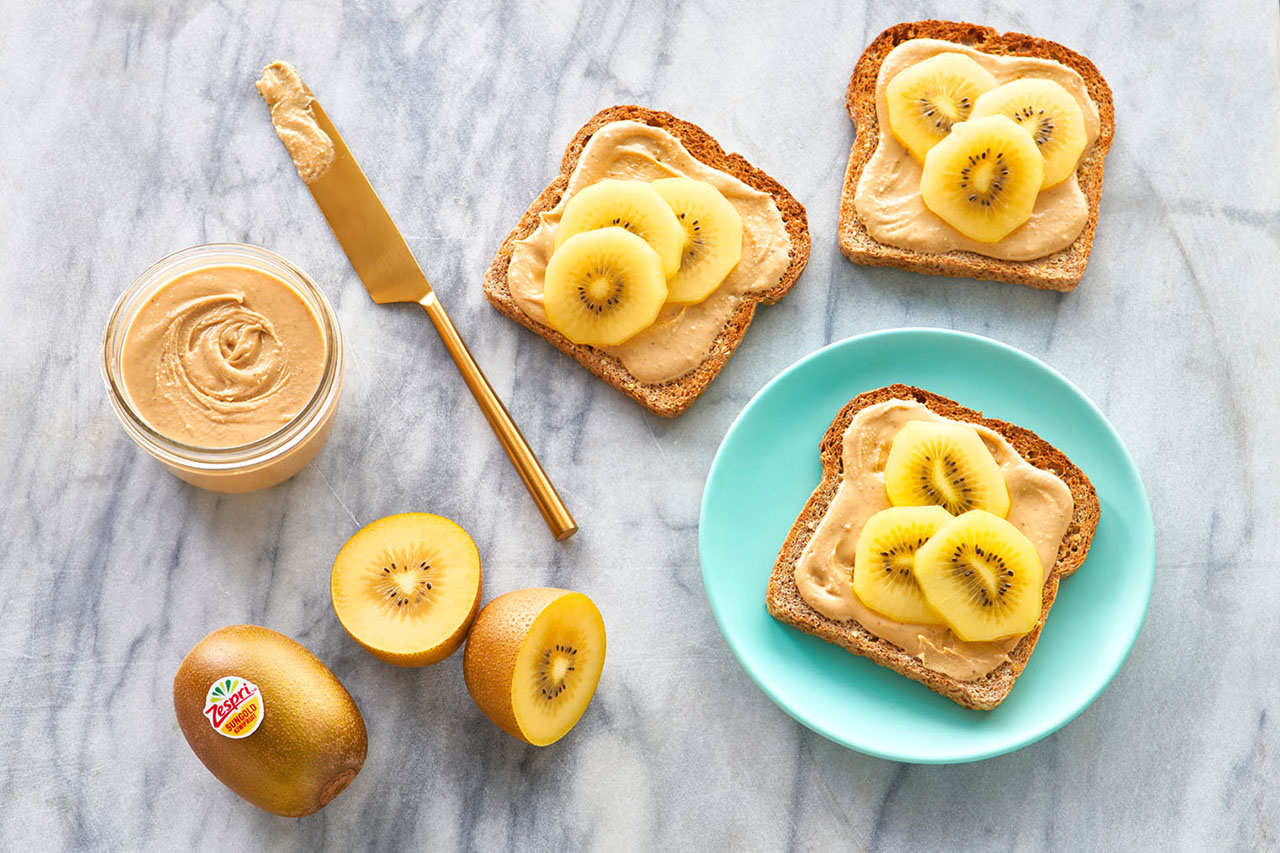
{"x":240,"y":456}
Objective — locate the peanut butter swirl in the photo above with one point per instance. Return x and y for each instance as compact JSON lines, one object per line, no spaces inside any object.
{"x":222,"y":356}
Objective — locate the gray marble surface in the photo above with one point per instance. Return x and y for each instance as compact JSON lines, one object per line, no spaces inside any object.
{"x":130,"y":128}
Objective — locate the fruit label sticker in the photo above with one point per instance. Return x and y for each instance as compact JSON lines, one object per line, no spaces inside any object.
{"x":234,"y":707}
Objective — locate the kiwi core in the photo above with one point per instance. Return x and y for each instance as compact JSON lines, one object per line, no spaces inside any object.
{"x":984,"y":177}
{"x":944,"y":107}
{"x":557,"y":663}
{"x":985,"y":574}
{"x":403,"y":582}
{"x":601,"y":289}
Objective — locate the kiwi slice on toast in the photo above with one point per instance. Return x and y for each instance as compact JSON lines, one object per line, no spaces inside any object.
{"x":602,"y":287}
{"x":1050,"y":113}
{"x":946,"y":465}
{"x":983,"y":576}
{"x":883,"y":576}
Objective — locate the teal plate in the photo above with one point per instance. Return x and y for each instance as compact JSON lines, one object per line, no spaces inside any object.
{"x":765,"y":470}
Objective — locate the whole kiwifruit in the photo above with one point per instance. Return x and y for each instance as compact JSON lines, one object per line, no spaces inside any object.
{"x":269,"y":720}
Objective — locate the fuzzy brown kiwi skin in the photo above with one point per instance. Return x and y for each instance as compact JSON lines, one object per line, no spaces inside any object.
{"x":489,"y":662}
{"x":312,"y":740}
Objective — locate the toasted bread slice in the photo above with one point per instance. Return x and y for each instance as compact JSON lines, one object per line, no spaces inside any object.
{"x":1060,"y":271}
{"x":672,"y":397}
{"x":784,"y":601}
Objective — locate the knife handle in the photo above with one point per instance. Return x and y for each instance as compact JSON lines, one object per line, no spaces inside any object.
{"x":535,"y":479}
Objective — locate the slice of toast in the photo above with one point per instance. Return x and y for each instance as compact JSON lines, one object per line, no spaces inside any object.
{"x":1060,"y":271}
{"x":674,"y":396}
{"x":783,"y":598}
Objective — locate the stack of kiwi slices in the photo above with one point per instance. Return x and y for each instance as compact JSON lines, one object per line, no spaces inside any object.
{"x":944,"y":554}
{"x":988,"y":149}
{"x":407,"y":588}
{"x":625,"y":248}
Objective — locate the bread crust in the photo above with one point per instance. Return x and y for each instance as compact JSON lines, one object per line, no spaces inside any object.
{"x":670,"y":398}
{"x":1060,"y":271}
{"x":783,"y":597}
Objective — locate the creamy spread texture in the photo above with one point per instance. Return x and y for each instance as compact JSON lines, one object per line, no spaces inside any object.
{"x":681,"y":337}
{"x":888,"y":195}
{"x":222,"y":356}
{"x":295,"y":123}
{"x":1041,"y":507}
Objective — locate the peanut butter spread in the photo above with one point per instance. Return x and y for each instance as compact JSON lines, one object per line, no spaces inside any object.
{"x":1041,"y":507}
{"x":222,"y":356}
{"x":888,"y":196}
{"x":295,"y":123}
{"x":681,"y":338}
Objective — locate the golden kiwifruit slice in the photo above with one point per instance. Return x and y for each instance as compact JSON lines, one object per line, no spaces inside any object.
{"x":886,"y":550}
{"x":406,"y":587}
{"x":533,"y":660}
{"x":602,"y":287}
{"x":633,"y":205}
{"x":927,"y":99}
{"x":946,"y":465}
{"x":983,"y":178}
{"x":1052,"y":116}
{"x":983,"y":576}
{"x":713,"y":237}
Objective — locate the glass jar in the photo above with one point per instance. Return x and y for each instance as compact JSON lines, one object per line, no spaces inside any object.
{"x":260,"y":463}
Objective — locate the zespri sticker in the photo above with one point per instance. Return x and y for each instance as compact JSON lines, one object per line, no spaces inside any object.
{"x":234,"y":707}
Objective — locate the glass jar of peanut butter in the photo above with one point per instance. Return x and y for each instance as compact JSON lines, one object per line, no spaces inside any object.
{"x":225,"y":362}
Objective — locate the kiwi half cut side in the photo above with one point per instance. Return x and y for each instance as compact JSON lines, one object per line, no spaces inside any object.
{"x":533,"y":660}
{"x":407,"y":587}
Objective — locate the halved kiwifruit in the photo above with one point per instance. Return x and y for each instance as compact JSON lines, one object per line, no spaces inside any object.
{"x":406,"y":587}
{"x":533,"y":661}
{"x":983,"y":576}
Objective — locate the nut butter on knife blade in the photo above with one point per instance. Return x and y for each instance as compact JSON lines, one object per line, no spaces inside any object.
{"x":383,"y":261}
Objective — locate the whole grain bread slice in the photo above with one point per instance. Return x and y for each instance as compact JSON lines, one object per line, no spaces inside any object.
{"x":672,"y":397}
{"x":1060,"y":271}
{"x":783,"y":598}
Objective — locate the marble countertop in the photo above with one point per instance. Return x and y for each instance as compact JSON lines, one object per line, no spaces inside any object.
{"x":132,"y":129}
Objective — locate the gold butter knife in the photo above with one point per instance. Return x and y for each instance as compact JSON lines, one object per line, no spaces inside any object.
{"x":384,"y":263}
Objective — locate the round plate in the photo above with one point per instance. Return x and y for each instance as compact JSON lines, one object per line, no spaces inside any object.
{"x":767,"y":467}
